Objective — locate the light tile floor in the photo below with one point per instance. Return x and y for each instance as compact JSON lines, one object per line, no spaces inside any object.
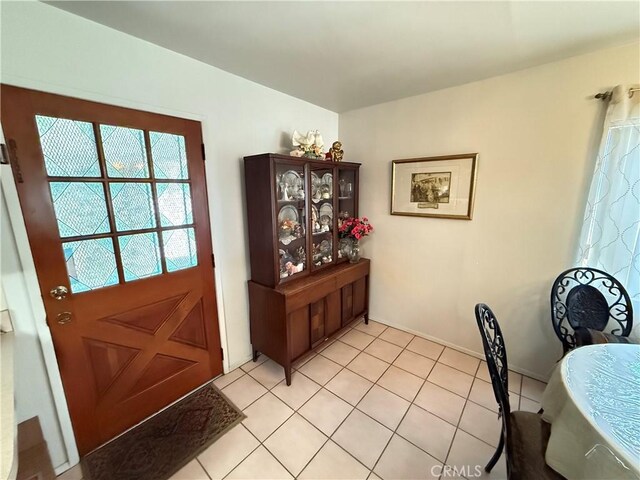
{"x":377,"y":402}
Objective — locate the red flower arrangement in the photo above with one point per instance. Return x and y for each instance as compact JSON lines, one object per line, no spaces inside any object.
{"x":355,"y":228}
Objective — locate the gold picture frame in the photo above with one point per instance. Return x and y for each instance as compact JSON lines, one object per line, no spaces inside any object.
{"x":440,"y":187}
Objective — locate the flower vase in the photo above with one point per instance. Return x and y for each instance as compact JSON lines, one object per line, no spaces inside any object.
{"x":354,"y":252}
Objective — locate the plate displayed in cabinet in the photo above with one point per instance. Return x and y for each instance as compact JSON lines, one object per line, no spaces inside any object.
{"x":327,"y":179}
{"x":316,"y":227}
{"x":326,"y":209}
{"x":316,"y":183}
{"x":288,"y":212}
{"x":325,"y":222}
{"x":322,"y":253}
{"x":289,"y":227}
{"x":293,"y":184}
{"x":325,"y":247}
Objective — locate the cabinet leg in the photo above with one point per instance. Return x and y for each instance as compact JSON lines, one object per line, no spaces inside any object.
{"x":255,"y":355}
{"x":366,"y":319}
{"x":287,"y":374}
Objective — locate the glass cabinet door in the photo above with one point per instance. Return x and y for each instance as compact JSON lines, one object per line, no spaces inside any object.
{"x":291,"y":219}
{"x":346,"y":200}
{"x":322,"y":217}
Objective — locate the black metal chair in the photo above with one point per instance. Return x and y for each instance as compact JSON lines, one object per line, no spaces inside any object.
{"x":585,"y":302}
{"x":525,"y":434}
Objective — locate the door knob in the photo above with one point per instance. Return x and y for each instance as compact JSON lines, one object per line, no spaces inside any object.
{"x":63,"y":318}
{"x":59,"y":292}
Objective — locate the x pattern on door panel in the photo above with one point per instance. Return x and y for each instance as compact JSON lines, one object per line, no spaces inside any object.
{"x":122,"y":198}
{"x":161,"y":319}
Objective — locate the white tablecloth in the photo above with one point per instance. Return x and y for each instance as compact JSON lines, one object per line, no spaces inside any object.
{"x":593,"y":405}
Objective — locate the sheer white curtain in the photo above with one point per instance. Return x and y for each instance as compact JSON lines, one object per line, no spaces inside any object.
{"x":610,"y":238}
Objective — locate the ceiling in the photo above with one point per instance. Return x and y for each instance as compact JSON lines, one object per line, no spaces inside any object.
{"x":347,"y":55}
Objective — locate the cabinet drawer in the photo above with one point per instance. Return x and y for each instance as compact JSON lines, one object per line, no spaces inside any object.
{"x":315,"y":293}
{"x":350,"y":275}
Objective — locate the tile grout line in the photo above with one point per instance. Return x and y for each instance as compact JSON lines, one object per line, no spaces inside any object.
{"x":363,"y":351}
{"x":460,"y":420}
{"x":329,"y":437}
{"x":356,"y":407}
{"x":473,"y":376}
{"x":202,"y":467}
{"x":296,"y":411}
{"x":243,"y":458}
{"x":353,"y":408}
{"x":261,"y":444}
{"x":411,"y":403}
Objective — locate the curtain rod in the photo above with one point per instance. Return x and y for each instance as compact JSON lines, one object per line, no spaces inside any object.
{"x":607,"y":95}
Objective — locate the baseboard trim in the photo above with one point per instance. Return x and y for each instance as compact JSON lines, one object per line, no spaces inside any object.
{"x":233,"y":366}
{"x":60,"y":469}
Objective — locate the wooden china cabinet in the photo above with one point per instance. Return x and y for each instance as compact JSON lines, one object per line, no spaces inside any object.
{"x":303,"y":289}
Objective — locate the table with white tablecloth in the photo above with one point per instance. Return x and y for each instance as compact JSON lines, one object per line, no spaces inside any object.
{"x":593,"y":405}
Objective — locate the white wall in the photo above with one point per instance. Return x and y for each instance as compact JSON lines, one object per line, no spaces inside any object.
{"x":535,"y":131}
{"x":51,"y":50}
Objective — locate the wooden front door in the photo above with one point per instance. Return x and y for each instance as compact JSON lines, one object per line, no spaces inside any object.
{"x":115,"y":205}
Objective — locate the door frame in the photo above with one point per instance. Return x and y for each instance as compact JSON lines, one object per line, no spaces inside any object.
{"x":30,"y":276}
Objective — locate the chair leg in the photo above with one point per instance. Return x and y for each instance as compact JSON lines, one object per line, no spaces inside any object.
{"x":496,"y":455}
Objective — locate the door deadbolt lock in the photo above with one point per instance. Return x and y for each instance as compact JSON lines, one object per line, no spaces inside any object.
{"x":63,"y":318}
{"x":59,"y":292}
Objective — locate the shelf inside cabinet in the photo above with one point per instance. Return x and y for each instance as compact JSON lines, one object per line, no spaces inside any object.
{"x":296,"y":203}
{"x":296,"y":242}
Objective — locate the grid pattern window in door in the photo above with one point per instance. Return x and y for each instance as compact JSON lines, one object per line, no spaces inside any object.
{"x":122,"y":200}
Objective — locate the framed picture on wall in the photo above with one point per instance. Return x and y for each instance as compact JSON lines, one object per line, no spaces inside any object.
{"x":434,"y":186}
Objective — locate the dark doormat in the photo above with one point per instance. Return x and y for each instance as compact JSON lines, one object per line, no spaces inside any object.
{"x":161,"y":445}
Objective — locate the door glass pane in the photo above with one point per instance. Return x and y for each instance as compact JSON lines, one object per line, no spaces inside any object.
{"x":290,"y":191}
{"x":180,"y":249}
{"x":346,"y":203}
{"x":69,"y":147}
{"x":125,"y":152}
{"x":140,"y":255}
{"x":132,"y":206}
{"x":174,"y":202}
{"x":91,"y":264}
{"x":169,"y":155}
{"x":80,"y":208}
{"x":322,"y":215}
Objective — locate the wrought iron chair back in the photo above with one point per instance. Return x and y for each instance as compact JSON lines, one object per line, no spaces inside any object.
{"x":589,"y":298}
{"x":496,"y":356}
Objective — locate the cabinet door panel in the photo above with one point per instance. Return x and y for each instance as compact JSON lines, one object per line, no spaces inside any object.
{"x":347,"y":303}
{"x":299,"y":331}
{"x":359,"y":295}
{"x":332,"y":315}
{"x":317,"y":321}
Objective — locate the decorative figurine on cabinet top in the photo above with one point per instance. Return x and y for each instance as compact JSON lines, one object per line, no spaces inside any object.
{"x":309,"y":145}
{"x":336,"y":153}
